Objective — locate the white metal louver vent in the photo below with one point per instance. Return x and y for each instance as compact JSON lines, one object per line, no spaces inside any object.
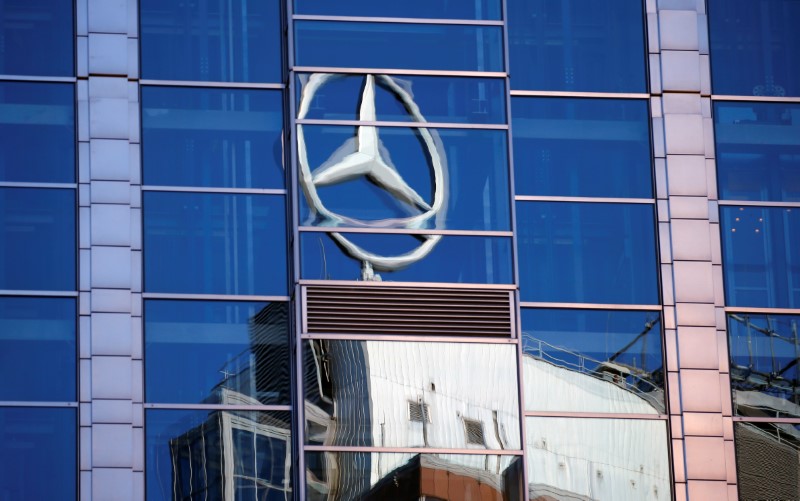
{"x":418,"y":412}
{"x":474,"y":431}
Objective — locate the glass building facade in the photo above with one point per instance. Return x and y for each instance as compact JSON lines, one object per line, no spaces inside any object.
{"x":481,"y":250}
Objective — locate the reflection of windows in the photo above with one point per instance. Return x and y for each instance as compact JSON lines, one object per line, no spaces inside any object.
{"x":474,"y":432}
{"x":418,"y":412}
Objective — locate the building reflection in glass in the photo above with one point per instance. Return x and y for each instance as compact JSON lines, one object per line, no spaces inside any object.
{"x":767,"y":455}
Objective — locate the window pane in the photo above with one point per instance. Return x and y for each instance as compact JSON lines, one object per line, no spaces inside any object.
{"x":758,"y":151}
{"x":754,"y":47}
{"x":220,"y":352}
{"x":37,"y":132}
{"x":206,"y":243}
{"x":401,"y":46}
{"x":580,"y":45}
{"x":38,"y":235}
{"x":424,"y":258}
{"x":582,"y":147}
{"x":204,"y":454}
{"x":477,"y":9}
{"x":224,"y":41}
{"x":212,"y":137}
{"x":411,"y":394}
{"x":37,"y":38}
{"x":761,"y":252}
{"x":37,"y":453}
{"x":587,"y":253}
{"x":766,"y":460}
{"x":593,"y":361}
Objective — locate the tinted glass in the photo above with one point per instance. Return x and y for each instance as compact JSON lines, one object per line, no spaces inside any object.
{"x":212,"y":137}
{"x":226,"y":40}
{"x":37,"y":231}
{"x":38,"y":453}
{"x":38,"y":37}
{"x":37,"y":132}
{"x":401,"y":46}
{"x":340,"y":476}
{"x":766,"y":460}
{"x":582,"y":147}
{"x":761,"y":256}
{"x":411,"y":394}
{"x":580,"y":45}
{"x":206,"y":454}
{"x":470,"y":168}
{"x":587,"y":253}
{"x":440,"y":99}
{"x":216,"y":352}
{"x":754,"y":47}
{"x":603,"y":459}
{"x":206,"y":243}
{"x":460,"y":259}
{"x":758,"y":151}
{"x":478,"y":9}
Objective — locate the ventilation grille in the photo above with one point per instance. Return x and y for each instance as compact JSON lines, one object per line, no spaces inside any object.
{"x":474,"y":431}
{"x":407,"y":310}
{"x":418,"y":412}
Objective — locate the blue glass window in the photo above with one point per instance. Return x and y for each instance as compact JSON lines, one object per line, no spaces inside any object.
{"x":38,"y":38}
{"x":580,"y":45}
{"x":587,"y":253}
{"x":401,"y":46}
{"x":37,"y":132}
{"x":208,"y":243}
{"x":223,"y":41}
{"x":478,"y":9}
{"x":219,"y":352}
{"x":758,"y":151}
{"x":754,"y":47}
{"x":761,"y":256}
{"x":582,"y":147}
{"x":228,"y":138}
{"x":37,"y":228}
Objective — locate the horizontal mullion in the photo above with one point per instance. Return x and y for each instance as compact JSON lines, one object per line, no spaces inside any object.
{"x":221,"y":407}
{"x":414,"y":450}
{"x":213,"y":297}
{"x":29,"y":293}
{"x":404,"y":231}
{"x":591,"y":306}
{"x":616,"y":200}
{"x":398,"y":20}
{"x":762,"y":311}
{"x":200,"y":83}
{"x":49,"y":186}
{"x":758,"y":203}
{"x":395,"y":71}
{"x":233,"y":191}
{"x":421,"y":337}
{"x":28,"y":78}
{"x":379,"y":123}
{"x":763,"y":99}
{"x":596,"y":415}
{"x":601,"y":95}
{"x":22,"y":403}
{"x":437,"y":286}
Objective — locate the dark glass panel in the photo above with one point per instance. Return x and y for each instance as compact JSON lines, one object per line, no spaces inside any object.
{"x":225,"y":40}
{"x":580,"y":45}
{"x":37,"y":232}
{"x":473,"y":166}
{"x":582,"y":147}
{"x":208,"y":243}
{"x":341,"y":476}
{"x":219,"y":352}
{"x":587,"y":253}
{"x":38,"y":453}
{"x":438,"y":9}
{"x":37,"y":38}
{"x":761,"y":249}
{"x":37,"y":349}
{"x":755,"y":45}
{"x":401,"y":46}
{"x":758,"y":151}
{"x":204,"y":454}
{"x":766,"y":460}
{"x":459,"y":259}
{"x":37,"y":132}
{"x":228,"y":138}
{"x":411,"y":394}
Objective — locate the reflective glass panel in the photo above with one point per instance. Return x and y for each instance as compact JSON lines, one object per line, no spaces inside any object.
{"x":209,"y":243}
{"x":582,"y":147}
{"x":426,"y":258}
{"x":37,"y":132}
{"x":477,"y":9}
{"x":592,"y":361}
{"x":448,"y":178}
{"x":37,"y":349}
{"x":38,"y":38}
{"x":224,"y":41}
{"x":440,"y":99}
{"x":411,"y":394}
{"x":598,"y":459}
{"x":754,"y":47}
{"x":218,"y":455}
{"x":37,"y":231}
{"x":758,"y":151}
{"x":761,"y":256}
{"x":220,"y":352}
{"x":401,"y":46}
{"x":766,"y":460}
{"x":38,"y":453}
{"x":580,"y":45}
{"x":341,"y":476}
{"x":587,"y":253}
{"x":227,"y":138}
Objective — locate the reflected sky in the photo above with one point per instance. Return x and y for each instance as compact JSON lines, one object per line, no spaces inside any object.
{"x":38,"y":38}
